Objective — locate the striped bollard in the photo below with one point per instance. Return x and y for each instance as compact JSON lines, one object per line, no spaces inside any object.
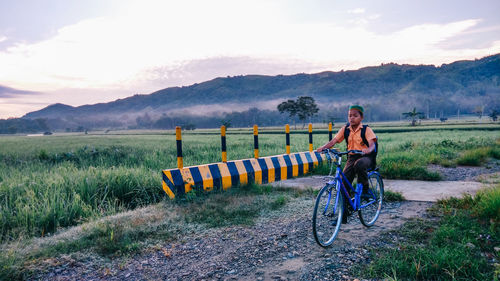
{"x":178,"y":139}
{"x":310,"y":137}
{"x":256,"y":141}
{"x":223,"y":143}
{"x":287,"y":132}
{"x":330,"y":136}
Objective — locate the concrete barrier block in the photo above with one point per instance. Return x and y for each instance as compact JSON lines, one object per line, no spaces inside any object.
{"x":222,"y":176}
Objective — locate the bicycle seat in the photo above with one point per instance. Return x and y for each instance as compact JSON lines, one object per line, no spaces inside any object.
{"x":371,"y":169}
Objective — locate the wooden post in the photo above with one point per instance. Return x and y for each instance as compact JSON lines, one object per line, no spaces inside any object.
{"x":256,"y":141}
{"x":178,"y":139}
{"x":287,"y":132}
{"x":310,"y":137}
{"x":330,"y":136}
{"x":223,"y":143}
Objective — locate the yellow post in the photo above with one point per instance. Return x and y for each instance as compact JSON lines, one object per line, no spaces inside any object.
{"x":256,"y":141}
{"x":223,"y":143}
{"x":310,"y":137}
{"x":178,"y":139}
{"x":330,"y":131}
{"x":287,"y":132}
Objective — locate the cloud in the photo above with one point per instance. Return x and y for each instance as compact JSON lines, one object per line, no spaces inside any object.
{"x":14,"y":102}
{"x":357,"y":11}
{"x":195,"y":71}
{"x":168,"y":43}
{"x":6,"y":92}
{"x":3,"y":38}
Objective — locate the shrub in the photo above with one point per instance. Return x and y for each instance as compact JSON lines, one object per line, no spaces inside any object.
{"x":391,"y":196}
{"x":474,"y":157}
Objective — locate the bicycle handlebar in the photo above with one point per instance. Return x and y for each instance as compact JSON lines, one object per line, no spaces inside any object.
{"x":336,"y":152}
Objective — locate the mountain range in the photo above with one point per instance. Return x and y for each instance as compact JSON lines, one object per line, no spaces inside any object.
{"x":386,"y":91}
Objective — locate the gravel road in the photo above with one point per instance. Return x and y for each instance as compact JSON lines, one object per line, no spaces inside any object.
{"x":279,"y":246}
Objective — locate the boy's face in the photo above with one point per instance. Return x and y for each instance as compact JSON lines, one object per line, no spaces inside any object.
{"x":355,"y":117}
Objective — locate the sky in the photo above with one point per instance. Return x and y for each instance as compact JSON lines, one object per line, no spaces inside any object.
{"x":86,"y":52}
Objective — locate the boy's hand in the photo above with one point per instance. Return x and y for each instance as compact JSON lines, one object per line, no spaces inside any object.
{"x":319,"y":149}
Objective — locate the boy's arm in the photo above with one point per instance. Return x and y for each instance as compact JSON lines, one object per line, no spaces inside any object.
{"x":370,"y":148}
{"x":339,"y":137}
{"x":327,"y":145}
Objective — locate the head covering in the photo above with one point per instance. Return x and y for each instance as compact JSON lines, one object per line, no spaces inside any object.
{"x":357,"y":107}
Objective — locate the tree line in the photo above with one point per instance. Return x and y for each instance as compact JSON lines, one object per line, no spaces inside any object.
{"x":303,"y":109}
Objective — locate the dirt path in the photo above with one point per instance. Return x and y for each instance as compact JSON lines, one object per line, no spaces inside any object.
{"x":412,"y":190}
{"x":280,"y":246}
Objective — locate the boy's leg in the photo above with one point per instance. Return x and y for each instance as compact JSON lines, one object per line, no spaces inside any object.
{"x":349,"y":169}
{"x":349,"y":172}
{"x":361,"y":167}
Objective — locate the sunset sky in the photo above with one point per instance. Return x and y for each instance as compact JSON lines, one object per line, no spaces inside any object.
{"x":85,"y":52}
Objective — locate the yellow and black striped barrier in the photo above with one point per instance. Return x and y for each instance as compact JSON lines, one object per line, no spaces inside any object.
{"x":330,"y":135}
{"x":221,"y":176}
{"x":287,"y":132}
{"x":178,"y":140}
{"x":256,"y":141}
{"x":223,"y":143}
{"x":310,"y":137}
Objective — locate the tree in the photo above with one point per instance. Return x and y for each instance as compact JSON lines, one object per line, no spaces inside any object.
{"x":289,"y":106}
{"x":307,"y":108}
{"x":304,"y":107}
{"x":188,"y":126}
{"x":413,"y":115}
{"x":494,"y":115}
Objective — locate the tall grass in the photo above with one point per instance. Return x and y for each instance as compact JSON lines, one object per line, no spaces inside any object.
{"x":57,"y":181}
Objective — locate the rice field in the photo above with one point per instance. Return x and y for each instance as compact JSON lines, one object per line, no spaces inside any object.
{"x":52,"y":182}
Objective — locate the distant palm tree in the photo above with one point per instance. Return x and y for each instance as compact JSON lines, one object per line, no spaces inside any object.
{"x":494,"y":115}
{"x":413,"y":115}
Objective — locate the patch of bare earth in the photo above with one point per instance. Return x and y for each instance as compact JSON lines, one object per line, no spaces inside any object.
{"x":466,"y":173}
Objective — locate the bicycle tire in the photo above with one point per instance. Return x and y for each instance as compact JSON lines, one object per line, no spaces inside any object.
{"x":324,"y":217}
{"x":370,"y":213}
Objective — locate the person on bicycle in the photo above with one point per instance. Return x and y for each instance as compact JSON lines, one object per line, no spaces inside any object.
{"x":356,"y":164}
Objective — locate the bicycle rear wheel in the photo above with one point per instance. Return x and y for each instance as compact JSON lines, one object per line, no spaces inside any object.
{"x":327,"y":215}
{"x":371,"y":207}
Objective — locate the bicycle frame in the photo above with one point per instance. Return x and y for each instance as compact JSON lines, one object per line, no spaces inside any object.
{"x":338,"y":182}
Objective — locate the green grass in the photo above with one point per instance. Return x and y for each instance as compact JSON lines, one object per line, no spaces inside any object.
{"x":455,"y":247}
{"x":392,"y":196}
{"x":478,"y":156}
{"x":53,"y":182}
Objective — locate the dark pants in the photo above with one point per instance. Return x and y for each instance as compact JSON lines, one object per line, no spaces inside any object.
{"x":358,"y":165}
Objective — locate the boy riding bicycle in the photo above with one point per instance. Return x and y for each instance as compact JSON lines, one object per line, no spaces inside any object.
{"x":358,"y":137}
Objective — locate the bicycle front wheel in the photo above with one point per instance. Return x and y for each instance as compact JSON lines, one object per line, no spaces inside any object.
{"x":327,"y":215}
{"x":371,"y":205}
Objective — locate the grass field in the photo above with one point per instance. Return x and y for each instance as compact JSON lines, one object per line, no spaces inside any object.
{"x":51,"y":182}
{"x":459,"y":245}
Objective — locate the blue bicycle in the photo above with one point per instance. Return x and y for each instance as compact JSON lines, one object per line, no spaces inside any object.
{"x":329,"y":206}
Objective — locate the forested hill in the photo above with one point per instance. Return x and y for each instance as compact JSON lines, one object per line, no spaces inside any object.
{"x":386,"y":91}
